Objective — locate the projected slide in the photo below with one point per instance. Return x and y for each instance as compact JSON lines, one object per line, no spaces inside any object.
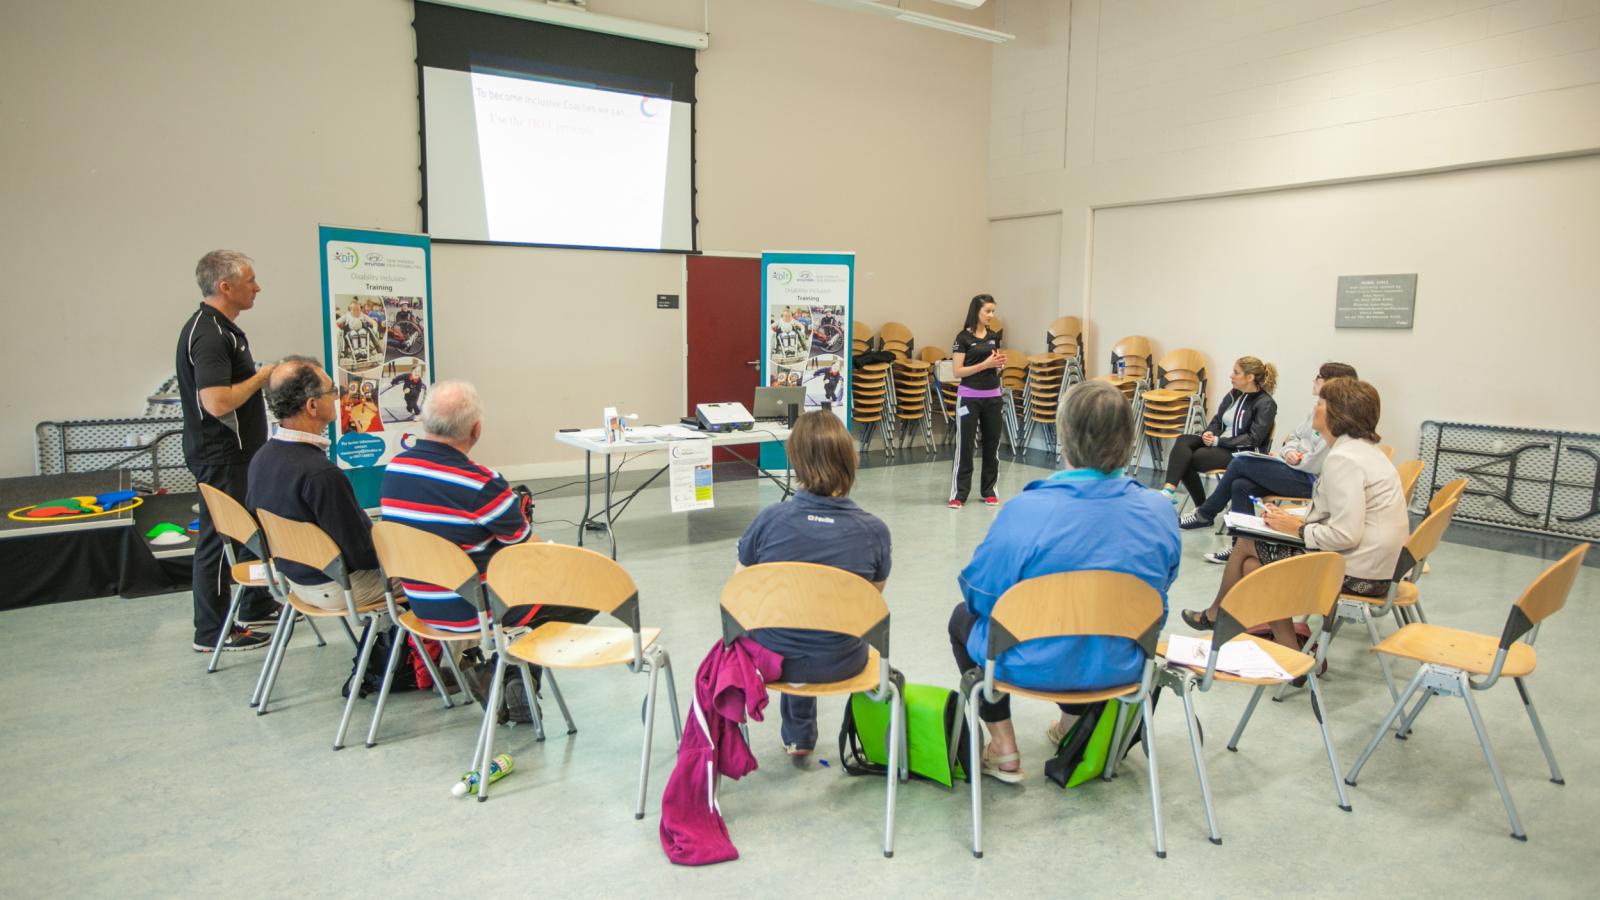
{"x":533,"y":162}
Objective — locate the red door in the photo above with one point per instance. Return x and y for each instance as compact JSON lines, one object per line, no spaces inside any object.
{"x":723,"y":313}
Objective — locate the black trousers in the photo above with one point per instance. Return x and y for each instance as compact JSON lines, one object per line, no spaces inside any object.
{"x":962,"y":621}
{"x":211,"y":579}
{"x":985,"y":415}
{"x":1190,"y":456}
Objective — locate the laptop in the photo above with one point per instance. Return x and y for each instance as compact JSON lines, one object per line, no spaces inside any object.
{"x":773,"y":402}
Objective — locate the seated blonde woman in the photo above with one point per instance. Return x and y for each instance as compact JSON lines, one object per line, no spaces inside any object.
{"x":821,"y":525}
{"x":1357,"y":509}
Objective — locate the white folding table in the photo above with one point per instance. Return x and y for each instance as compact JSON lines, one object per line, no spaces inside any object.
{"x":592,"y":444}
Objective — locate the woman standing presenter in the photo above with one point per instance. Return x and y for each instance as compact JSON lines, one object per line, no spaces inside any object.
{"x":980,"y":401}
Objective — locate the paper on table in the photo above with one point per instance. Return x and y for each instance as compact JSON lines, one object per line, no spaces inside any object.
{"x":257,"y":572}
{"x":1258,"y":526}
{"x":1238,"y":657}
{"x":1255,"y":455}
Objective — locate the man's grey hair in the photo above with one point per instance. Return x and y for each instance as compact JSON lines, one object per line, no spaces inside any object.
{"x":292,"y":384}
{"x":452,"y":408}
{"x":219,"y":265}
{"x":1096,"y":426}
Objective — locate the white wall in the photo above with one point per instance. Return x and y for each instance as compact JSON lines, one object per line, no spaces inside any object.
{"x":1172,"y":100}
{"x":1505,"y":316}
{"x":138,"y":136}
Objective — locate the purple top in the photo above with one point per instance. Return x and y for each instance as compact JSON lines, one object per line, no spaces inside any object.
{"x":977,"y":393}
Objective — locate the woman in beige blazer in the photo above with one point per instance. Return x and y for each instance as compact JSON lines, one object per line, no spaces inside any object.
{"x":1357,"y":509}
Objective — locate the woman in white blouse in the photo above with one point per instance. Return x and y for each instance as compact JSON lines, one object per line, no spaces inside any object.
{"x":1357,"y":509}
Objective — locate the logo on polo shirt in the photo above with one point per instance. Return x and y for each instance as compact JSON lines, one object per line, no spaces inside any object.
{"x":826,"y":520}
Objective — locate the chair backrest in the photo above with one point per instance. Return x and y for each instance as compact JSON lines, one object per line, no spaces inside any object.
{"x":1448,"y":492}
{"x":933,"y":354}
{"x":411,"y":554}
{"x":1423,"y":541}
{"x":860,"y":331}
{"x":563,"y":575}
{"x":1065,"y":335}
{"x":1388,"y":451}
{"x":1548,"y":593}
{"x":303,"y":543}
{"x":1409,"y":471}
{"x":1135,"y":354}
{"x":1096,"y":602}
{"x":231,"y":519}
{"x":894,"y":331}
{"x":804,"y":595}
{"x":1304,"y":585}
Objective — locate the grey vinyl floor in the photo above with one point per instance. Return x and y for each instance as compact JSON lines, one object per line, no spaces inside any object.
{"x":130,"y":772}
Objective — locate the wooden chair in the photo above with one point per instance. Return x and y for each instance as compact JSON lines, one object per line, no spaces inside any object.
{"x":1450,"y":658}
{"x":237,"y":526}
{"x":1402,"y":589}
{"x":1177,"y":404}
{"x":913,"y":382}
{"x":1132,"y":363}
{"x":931,"y":355}
{"x":860,"y":337}
{"x":871,"y":404}
{"x":1066,"y":604}
{"x":573,"y":576}
{"x":1305,"y":585}
{"x":822,"y":598}
{"x":1449,"y":492}
{"x":1046,"y":374}
{"x":413,"y":555}
{"x":896,"y":339}
{"x":1065,"y":336}
{"x":1409,"y":471}
{"x":308,"y":545}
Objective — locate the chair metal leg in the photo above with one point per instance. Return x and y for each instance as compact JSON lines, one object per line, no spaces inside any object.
{"x":497,"y":696}
{"x":1317,"y":707}
{"x":534,"y":709}
{"x":975,"y":778}
{"x":278,"y":636}
{"x":1383,"y":659}
{"x":1394,"y":713}
{"x":350,"y":634}
{"x":367,"y":633}
{"x":383,"y":692}
{"x":1155,"y":779}
{"x":314,"y":629}
{"x":433,"y":670}
{"x":1538,"y":729}
{"x":1199,"y":759}
{"x":672,"y":694}
{"x":1488,"y":755}
{"x":1238,"y":730}
{"x":1117,"y":733}
{"x":227,"y":626}
{"x":276,"y":663}
{"x":561,"y":702}
{"x":649,"y":732}
{"x":461,"y":679}
{"x":896,"y":765}
{"x":1416,"y":609}
{"x":1404,"y":731}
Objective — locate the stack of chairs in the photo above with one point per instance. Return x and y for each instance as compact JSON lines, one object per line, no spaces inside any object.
{"x":1132,"y":361}
{"x":1065,"y":336}
{"x":942,"y":391}
{"x":872,"y":404}
{"x":1014,"y":380}
{"x":860,"y":338}
{"x":1046,"y":374}
{"x":912,"y":391}
{"x":1178,"y":404}
{"x":896,"y":339}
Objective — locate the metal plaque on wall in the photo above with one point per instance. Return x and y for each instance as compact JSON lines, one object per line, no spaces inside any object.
{"x":1376,"y":301}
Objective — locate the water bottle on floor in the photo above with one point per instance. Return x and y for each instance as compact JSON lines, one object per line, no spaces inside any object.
{"x":498,"y":769}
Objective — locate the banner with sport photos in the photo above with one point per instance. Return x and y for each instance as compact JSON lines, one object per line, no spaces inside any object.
{"x":806,"y":303}
{"x":378,"y":341}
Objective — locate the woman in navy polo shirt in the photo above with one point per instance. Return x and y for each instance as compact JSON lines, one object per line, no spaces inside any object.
{"x":820,"y":525}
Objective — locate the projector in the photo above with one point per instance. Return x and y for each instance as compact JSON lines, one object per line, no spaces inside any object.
{"x":723,"y":417}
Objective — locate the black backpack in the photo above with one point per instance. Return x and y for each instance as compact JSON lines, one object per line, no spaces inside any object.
{"x":405,"y":671}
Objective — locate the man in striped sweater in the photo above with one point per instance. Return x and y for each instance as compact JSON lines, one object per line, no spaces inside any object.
{"x":435,"y":487}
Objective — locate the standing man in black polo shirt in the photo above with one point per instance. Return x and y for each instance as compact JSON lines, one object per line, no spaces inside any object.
{"x":224,"y":423}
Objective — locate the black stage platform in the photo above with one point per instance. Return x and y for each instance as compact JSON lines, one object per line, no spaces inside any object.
{"x":102,"y":556}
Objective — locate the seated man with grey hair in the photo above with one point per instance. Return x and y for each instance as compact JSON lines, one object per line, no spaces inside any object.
{"x":1088,"y":516}
{"x":293,"y":477}
{"x":435,"y":487}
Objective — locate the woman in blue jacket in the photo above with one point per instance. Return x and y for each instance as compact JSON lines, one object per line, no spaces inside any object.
{"x":1089,"y":516}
